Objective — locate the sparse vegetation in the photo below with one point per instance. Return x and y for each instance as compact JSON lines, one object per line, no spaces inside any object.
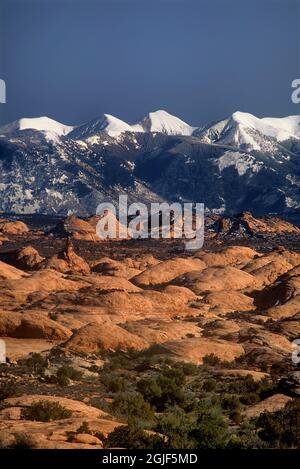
{"x":8,"y":388}
{"x":131,"y":436}
{"x":281,"y":429}
{"x":36,"y":363}
{"x":22,"y":441}
{"x":45,"y":411}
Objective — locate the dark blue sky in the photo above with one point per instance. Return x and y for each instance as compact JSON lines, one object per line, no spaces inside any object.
{"x":199,"y":59}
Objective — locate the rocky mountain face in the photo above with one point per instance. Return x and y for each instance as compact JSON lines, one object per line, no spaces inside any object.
{"x":241,"y":163}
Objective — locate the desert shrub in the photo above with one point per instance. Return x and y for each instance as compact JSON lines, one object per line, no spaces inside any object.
{"x":36,"y":362}
{"x":161,"y":391}
{"x":176,"y":425}
{"x":22,"y":441}
{"x":84,"y":428}
{"x":131,"y":436}
{"x":45,"y":411}
{"x":245,"y":437}
{"x":53,"y":316}
{"x":189,"y":368}
{"x":278,"y":369}
{"x":64,"y":375}
{"x":281,"y":429}
{"x":250,"y":398}
{"x":131,"y":404}
{"x":69,"y":372}
{"x":100,"y":403}
{"x":211,"y":429}
{"x":113,"y":382}
{"x":8,"y":388}
{"x":70,"y":436}
{"x":209,"y":385}
{"x":211,"y":360}
{"x":230,"y":402}
{"x":236,"y":416}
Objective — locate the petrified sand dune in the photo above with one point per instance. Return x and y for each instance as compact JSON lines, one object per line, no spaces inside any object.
{"x":54,"y":434}
{"x":246,"y":224}
{"x":27,"y":258}
{"x":106,"y":283}
{"x":77,"y":229}
{"x":166,"y":271}
{"x":68,"y":261}
{"x":216,"y":279}
{"x":99,"y":337}
{"x":234,"y":303}
{"x":237,"y":256}
{"x":147,"y":303}
{"x":159,"y":331}
{"x":265,"y":338}
{"x":142,"y":262}
{"x":287,"y":327}
{"x":223,"y":302}
{"x":31,"y":326}
{"x":282,"y":299}
{"x":194,"y":349}
{"x":22,"y":348}
{"x":271,"y":404}
{"x":8,"y":272}
{"x":44,"y":280}
{"x":13,"y":227}
{"x":107,"y":266}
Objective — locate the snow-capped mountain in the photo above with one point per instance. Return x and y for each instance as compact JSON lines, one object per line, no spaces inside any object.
{"x":239,"y":163}
{"x":42,"y":124}
{"x":158,"y":121}
{"x":107,"y":123}
{"x":163,"y":122}
{"x":246,"y":131}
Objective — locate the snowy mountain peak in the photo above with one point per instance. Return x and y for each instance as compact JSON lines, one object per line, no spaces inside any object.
{"x":276,"y":127}
{"x":41,"y":124}
{"x":247,"y":131}
{"x":162,"y":121}
{"x":114,"y":126}
{"x":106,"y":123}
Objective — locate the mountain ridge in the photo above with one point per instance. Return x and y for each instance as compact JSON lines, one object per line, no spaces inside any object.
{"x":228,"y":165}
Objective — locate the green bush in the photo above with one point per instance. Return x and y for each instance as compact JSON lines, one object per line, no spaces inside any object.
{"x":113,"y":382}
{"x":250,"y":398}
{"x":209,"y":385}
{"x":211,"y":360}
{"x":176,"y":426}
{"x":69,"y":372}
{"x":281,"y":429}
{"x":131,"y":404}
{"x":45,"y":411}
{"x":8,"y":388}
{"x":36,"y":362}
{"x":161,"y":391}
{"x":230,"y":402}
{"x":65,"y":374}
{"x":84,"y":428}
{"x":22,"y":441}
{"x":211,"y":429}
{"x":131,"y":436}
{"x":188,"y":368}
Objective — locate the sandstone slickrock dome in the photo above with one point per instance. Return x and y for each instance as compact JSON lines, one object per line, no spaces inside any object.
{"x":71,"y":305}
